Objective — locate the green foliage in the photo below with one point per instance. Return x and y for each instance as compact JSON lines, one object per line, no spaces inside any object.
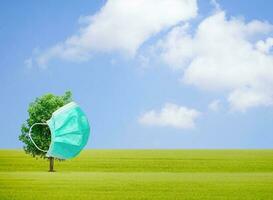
{"x":40,"y":111}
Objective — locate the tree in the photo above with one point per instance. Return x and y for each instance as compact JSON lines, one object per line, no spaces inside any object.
{"x":40,"y":111}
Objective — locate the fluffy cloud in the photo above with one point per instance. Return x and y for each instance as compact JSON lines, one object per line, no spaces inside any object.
{"x":122,"y":26}
{"x":265,"y":46}
{"x":171,"y":115}
{"x":227,"y":55}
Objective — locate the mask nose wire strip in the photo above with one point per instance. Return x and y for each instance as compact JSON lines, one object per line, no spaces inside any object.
{"x":29,"y":134}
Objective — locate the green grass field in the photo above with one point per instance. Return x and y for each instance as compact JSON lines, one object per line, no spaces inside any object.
{"x":140,"y":174}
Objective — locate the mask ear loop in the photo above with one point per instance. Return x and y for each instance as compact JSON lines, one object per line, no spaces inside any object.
{"x":29,"y":134}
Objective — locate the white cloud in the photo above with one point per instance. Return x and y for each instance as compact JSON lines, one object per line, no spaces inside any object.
{"x":171,"y":115}
{"x":177,"y":48}
{"x":224,"y":55}
{"x":122,"y":26}
{"x":215,"y":105}
{"x":244,"y":98}
{"x":265,"y":46}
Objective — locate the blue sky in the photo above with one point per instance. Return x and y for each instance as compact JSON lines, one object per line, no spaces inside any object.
{"x":144,"y":81}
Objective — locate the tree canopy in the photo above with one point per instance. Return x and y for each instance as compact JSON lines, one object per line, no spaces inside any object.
{"x":40,"y":111}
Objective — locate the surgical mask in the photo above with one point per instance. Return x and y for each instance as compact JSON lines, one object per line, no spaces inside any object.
{"x":69,"y":130}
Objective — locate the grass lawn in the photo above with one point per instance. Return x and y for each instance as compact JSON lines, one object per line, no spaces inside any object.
{"x":140,"y":174}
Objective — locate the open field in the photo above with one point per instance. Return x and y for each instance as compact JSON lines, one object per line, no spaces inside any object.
{"x":140,"y":174}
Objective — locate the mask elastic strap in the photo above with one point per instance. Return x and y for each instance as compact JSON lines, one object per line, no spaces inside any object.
{"x":29,"y":134}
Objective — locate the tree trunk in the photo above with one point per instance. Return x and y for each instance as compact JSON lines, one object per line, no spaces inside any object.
{"x":51,"y":164}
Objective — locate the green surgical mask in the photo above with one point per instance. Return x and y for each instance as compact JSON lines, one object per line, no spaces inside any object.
{"x":69,"y":129}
